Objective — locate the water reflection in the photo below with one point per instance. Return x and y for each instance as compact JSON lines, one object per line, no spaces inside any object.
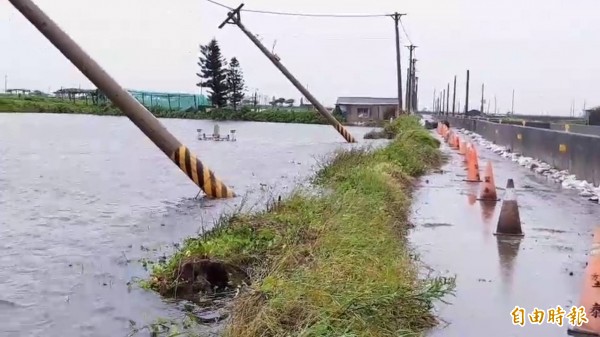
{"x":472,"y":193}
{"x":488,"y":208}
{"x":508,"y":249}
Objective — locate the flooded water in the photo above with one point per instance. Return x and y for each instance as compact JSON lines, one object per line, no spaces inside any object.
{"x":84,"y":198}
{"x":544,"y":269}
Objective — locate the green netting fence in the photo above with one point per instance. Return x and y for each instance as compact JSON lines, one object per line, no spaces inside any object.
{"x":170,"y":101}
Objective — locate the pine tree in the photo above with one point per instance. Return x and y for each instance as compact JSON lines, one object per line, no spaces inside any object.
{"x":213,"y":74}
{"x":235,"y":83}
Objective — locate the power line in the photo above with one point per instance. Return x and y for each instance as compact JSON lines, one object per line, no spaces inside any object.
{"x":404,"y":30}
{"x":303,"y":14}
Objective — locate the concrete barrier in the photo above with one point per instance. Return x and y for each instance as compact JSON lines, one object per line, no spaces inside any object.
{"x":578,"y":153}
{"x":577,"y":128}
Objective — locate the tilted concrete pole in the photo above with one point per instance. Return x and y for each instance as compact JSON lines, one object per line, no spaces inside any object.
{"x":234,"y":17}
{"x":134,"y":110}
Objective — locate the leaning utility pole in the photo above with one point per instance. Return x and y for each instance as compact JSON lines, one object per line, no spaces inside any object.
{"x":482,"y":97}
{"x":132,"y":108}
{"x":467,"y":98}
{"x":396,"y":16}
{"x":454,"y":97}
{"x":233,"y":17}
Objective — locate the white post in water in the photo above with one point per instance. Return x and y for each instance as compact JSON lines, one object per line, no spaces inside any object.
{"x":216,"y":132}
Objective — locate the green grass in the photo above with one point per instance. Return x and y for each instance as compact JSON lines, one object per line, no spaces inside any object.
{"x":335,"y":264}
{"x":55,"y":105}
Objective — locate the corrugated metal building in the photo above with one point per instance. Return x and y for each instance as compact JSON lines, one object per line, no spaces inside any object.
{"x":363,"y":109}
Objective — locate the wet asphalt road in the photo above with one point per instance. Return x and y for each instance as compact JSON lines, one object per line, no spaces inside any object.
{"x":454,"y":236}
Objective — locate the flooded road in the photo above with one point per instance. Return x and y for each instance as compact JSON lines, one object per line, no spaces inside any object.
{"x":544,"y":269}
{"x":84,"y":199}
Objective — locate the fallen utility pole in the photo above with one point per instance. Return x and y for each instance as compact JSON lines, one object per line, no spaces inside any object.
{"x":134,"y":110}
{"x":233,"y":17}
{"x":396,"y":16}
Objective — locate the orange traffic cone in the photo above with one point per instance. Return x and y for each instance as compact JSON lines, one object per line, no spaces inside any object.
{"x":488,"y":192}
{"x":462,"y":147}
{"x":509,"y":222}
{"x":467,"y":156}
{"x":590,"y":295}
{"x":456,"y":142}
{"x":474,"y":151}
{"x":472,"y":167}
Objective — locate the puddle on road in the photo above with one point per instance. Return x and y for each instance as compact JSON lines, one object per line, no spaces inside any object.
{"x":548,"y":230}
{"x":434,"y":225}
{"x":454,"y":233}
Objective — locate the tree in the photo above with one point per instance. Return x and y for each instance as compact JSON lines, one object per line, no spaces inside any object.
{"x":290,"y":102}
{"x":213,"y":74}
{"x":235,"y":83}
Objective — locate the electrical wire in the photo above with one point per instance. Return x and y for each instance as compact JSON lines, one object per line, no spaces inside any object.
{"x":404,"y":30}
{"x":303,"y":14}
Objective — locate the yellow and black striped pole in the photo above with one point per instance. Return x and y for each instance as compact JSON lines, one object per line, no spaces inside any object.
{"x":200,"y":174}
{"x":134,"y":110}
{"x":234,"y":18}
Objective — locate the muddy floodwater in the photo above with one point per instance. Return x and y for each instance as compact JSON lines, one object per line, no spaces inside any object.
{"x":84,"y":199}
{"x":544,"y":269}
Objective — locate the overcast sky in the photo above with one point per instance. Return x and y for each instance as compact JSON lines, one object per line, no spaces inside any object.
{"x":546,"y":50}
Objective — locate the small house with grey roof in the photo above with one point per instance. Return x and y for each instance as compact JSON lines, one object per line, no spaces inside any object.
{"x":359,"y":110}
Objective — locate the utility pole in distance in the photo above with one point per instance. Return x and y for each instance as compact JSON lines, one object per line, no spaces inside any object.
{"x":448,"y":99}
{"x":410,"y":79}
{"x":482,"y":97}
{"x":495,"y":105}
{"x":512,"y":109}
{"x":413,"y":86}
{"x":233,"y":17}
{"x":433,"y":107}
{"x":467,"y":98}
{"x":454,"y":97}
{"x":396,"y":16}
{"x":444,"y":102}
{"x":416,"y":100}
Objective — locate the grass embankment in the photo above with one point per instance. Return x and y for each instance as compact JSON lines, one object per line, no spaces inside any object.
{"x":335,"y":264}
{"x":55,"y":105}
